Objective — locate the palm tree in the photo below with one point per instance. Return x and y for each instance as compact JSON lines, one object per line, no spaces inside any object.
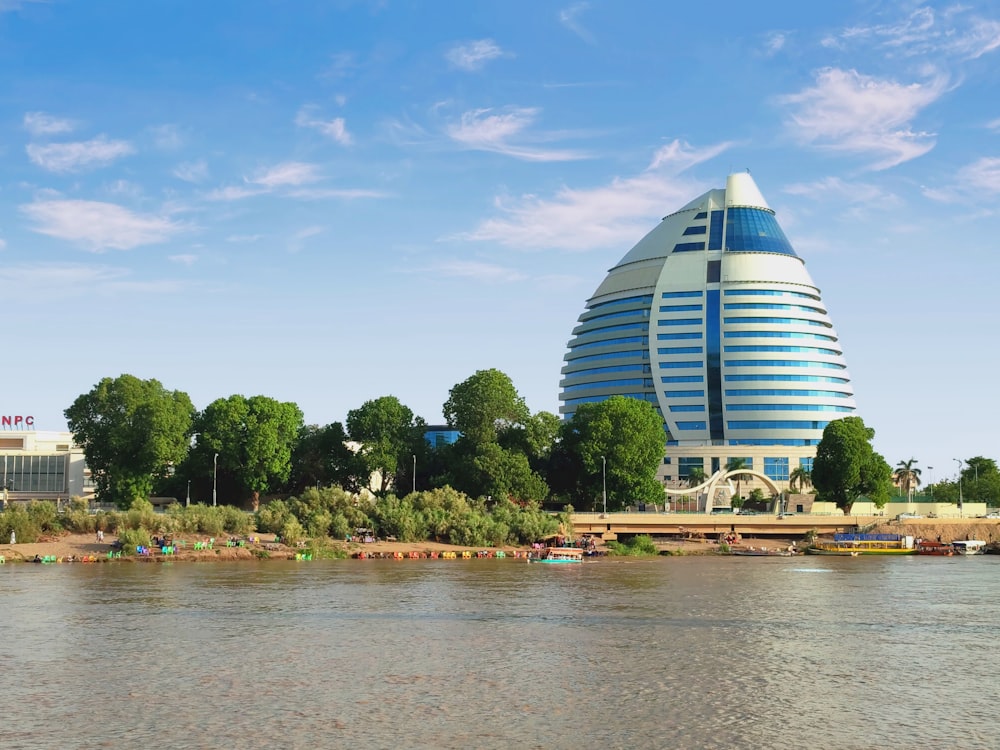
{"x":907,"y":475}
{"x":737,"y":464}
{"x":696,"y":475}
{"x":800,"y":478}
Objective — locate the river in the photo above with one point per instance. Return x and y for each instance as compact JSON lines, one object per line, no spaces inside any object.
{"x":682,"y":652}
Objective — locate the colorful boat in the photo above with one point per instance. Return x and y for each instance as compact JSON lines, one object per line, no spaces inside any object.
{"x":969,"y":546}
{"x":852,"y":545}
{"x":934,"y":548}
{"x":558,"y":555}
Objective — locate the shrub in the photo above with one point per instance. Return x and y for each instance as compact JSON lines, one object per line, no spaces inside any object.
{"x":641,"y":544}
{"x":132,"y":538}
{"x":16,"y":519}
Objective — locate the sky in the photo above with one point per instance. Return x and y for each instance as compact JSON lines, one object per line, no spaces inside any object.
{"x":330,"y":201}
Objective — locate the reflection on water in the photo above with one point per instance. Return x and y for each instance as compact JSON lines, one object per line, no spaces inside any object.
{"x":679,"y":652}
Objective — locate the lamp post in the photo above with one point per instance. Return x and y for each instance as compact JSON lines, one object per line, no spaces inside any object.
{"x":414,"y":472}
{"x":604,"y":482}
{"x":959,"y":462}
{"x":187,"y":501}
{"x":215,"y":477}
{"x":931,"y":470}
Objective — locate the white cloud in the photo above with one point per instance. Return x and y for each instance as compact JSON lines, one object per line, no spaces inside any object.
{"x":192,"y":171}
{"x":474,"y":55}
{"x":850,"y":112}
{"x":234,"y":193}
{"x":569,"y":17}
{"x":3,"y":244}
{"x":345,"y":193}
{"x":335,"y":129}
{"x":483,"y":130}
{"x":602,"y":217}
{"x":185,"y":259}
{"x":40,"y":124}
{"x":478,"y":271}
{"x":955,"y":32}
{"x":993,"y":125}
{"x":73,"y":157}
{"x":99,"y":226}
{"x":286,"y":173}
{"x":243,"y":237}
{"x":296,"y":241}
{"x":166,"y":137}
{"x":774,"y":43}
{"x":835,"y":187}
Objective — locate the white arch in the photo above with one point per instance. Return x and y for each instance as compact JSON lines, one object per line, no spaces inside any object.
{"x":722,"y":475}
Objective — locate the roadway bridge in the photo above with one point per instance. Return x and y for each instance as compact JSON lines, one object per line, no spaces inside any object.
{"x":793,"y":525}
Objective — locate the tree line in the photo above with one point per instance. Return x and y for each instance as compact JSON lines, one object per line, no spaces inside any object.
{"x":142,"y":440}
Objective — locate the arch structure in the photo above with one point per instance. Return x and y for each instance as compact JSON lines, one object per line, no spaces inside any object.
{"x":713,"y":485}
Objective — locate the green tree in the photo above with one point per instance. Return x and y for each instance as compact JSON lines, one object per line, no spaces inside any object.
{"x":133,"y":433}
{"x":737,"y":465}
{"x":907,"y":476}
{"x":321,"y":458}
{"x":483,"y":406}
{"x":621,"y":439}
{"x":388,"y":434}
{"x":799,"y":479}
{"x":846,"y":466}
{"x":696,"y":476}
{"x":253,"y":438}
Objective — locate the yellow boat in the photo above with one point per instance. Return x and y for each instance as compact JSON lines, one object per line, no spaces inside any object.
{"x":852,"y":545}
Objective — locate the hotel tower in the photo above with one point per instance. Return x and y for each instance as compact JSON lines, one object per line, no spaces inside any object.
{"x":714,"y":319}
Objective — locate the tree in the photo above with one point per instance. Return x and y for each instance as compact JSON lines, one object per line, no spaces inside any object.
{"x":133,"y":432}
{"x":981,"y":481}
{"x":253,"y":437}
{"x":907,"y":475}
{"x":388,"y":434}
{"x":696,"y":476}
{"x":621,"y":439}
{"x":737,"y":465}
{"x":846,"y":466}
{"x":483,"y":406}
{"x":799,"y":479}
{"x":322,"y":458}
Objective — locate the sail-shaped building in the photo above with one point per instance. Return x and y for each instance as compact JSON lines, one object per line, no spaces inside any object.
{"x":714,"y":319}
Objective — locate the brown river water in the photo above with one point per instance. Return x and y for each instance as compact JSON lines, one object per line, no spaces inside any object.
{"x":691,"y":652}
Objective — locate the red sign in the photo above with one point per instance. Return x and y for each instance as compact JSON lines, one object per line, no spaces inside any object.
{"x":16,"y":421}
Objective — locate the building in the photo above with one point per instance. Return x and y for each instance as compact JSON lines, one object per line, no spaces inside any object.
{"x":440,"y":435}
{"x":37,"y":465}
{"x":714,"y":319}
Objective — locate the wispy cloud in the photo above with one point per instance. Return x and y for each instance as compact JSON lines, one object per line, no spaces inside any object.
{"x":478,"y":271}
{"x":774,"y":43}
{"x":75,"y":157}
{"x":835,"y":187}
{"x":192,"y":171}
{"x":979,"y":177}
{"x":41,"y":124}
{"x":318,"y":193}
{"x":3,"y":243}
{"x":184,"y":259}
{"x":99,"y":226}
{"x":166,"y":137}
{"x":297,"y":240}
{"x":570,"y":18}
{"x":484,"y":130}
{"x":243,"y":238}
{"x":605,"y":216}
{"x":10,"y":5}
{"x":287,"y":173}
{"x":335,"y":129}
{"x":473,"y":56}
{"x":955,"y":32}
{"x":64,"y":280}
{"x":993,"y":125}
{"x":849,"y":112}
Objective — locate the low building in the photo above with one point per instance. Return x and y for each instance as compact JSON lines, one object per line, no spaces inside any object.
{"x":38,"y":465}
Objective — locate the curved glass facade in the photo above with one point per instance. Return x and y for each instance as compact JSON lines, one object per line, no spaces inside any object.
{"x":741,"y":308}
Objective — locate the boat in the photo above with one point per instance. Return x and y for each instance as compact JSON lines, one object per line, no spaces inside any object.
{"x":853,"y":545}
{"x":558,"y":555}
{"x":934,"y":548}
{"x":969,"y":546}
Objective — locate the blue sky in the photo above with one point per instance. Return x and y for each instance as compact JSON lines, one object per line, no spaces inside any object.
{"x":330,"y":201}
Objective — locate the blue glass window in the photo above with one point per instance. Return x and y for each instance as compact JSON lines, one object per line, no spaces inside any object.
{"x":781,"y":363}
{"x":740,"y":392}
{"x":755,"y":229}
{"x":686,"y":463}
{"x":645,"y":300}
{"x":680,"y":308}
{"x":793,"y":442}
{"x":747,"y":461}
{"x":699,"y":229}
{"x":682,"y":379}
{"x":680,"y":322}
{"x":777,"y":335}
{"x":772,"y":306}
{"x":713,"y":343}
{"x":678,"y":336}
{"x":680,"y":350}
{"x":688,"y":247}
{"x":637,"y":367}
{"x":688,"y":407}
{"x":607,"y":355}
{"x":764,"y":348}
{"x":776,"y":469}
{"x":684,"y":394}
{"x":681,"y":295}
{"x":787,"y":407}
{"x":715,"y":235}
{"x":606,"y":384}
{"x":690,"y":425}
{"x":777,"y":424}
{"x":594,"y":399}
{"x":713,"y":271}
{"x":701,"y":215}
{"x":768,"y":293}
{"x":611,"y":342}
{"x":639,"y":313}
{"x":621,"y":327}
{"x":681,"y":365}
{"x":806,"y":463}
{"x":786,"y":321}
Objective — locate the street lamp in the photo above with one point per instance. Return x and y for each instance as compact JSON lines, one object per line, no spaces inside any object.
{"x":931,"y":469}
{"x":414,"y":472}
{"x":187,"y":501}
{"x":215,"y":477}
{"x":604,"y":481}
{"x":959,"y":461}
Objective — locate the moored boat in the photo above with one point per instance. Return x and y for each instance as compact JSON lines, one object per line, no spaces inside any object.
{"x":852,"y":545}
{"x":969,"y":546}
{"x":558,"y":555}
{"x":932,"y":548}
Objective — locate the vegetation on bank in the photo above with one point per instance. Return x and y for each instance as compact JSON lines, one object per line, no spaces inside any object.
{"x":320,"y":515}
{"x":639,"y":545}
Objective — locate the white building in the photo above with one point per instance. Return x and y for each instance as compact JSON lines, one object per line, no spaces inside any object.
{"x":714,"y":320}
{"x":40,"y":465}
